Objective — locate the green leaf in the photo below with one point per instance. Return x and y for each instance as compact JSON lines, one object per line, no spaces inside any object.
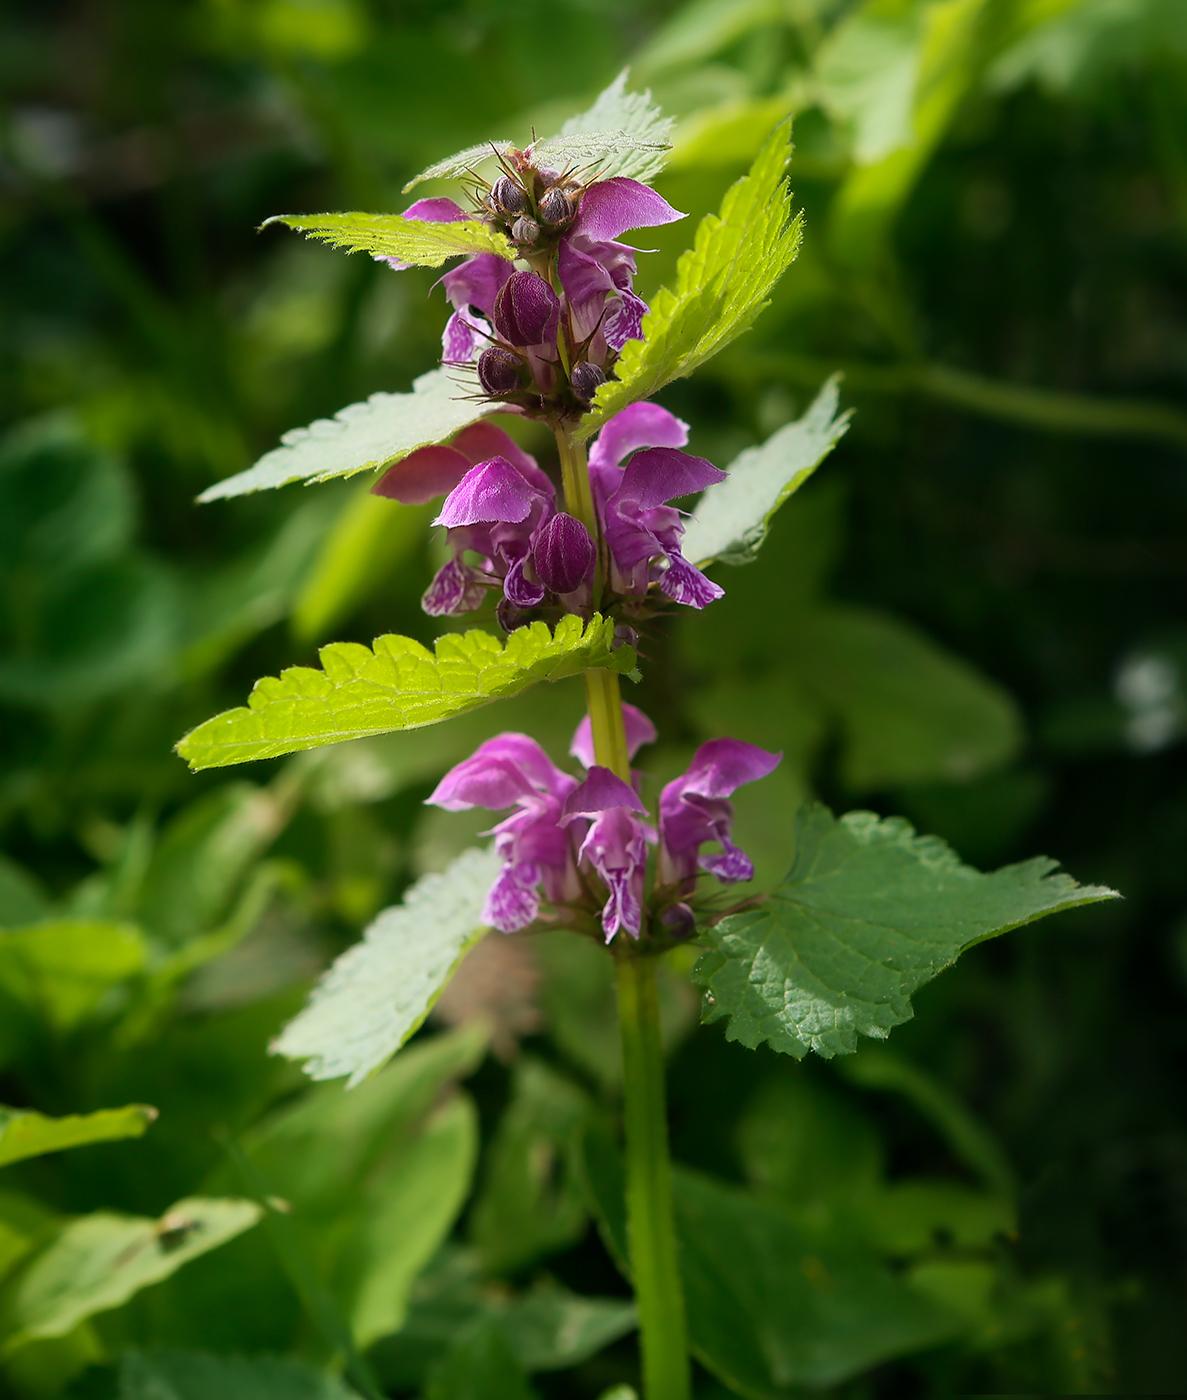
{"x":531,"y":1203}
{"x":731,"y":519}
{"x":99,"y":1261}
{"x":380,"y":991}
{"x":550,"y":1328}
{"x":398,"y":685}
{"x":27,"y":1134}
{"x":22,"y":898}
{"x":771,"y":1308}
{"x":623,"y":130}
{"x":907,"y":710}
{"x":632,"y":132}
{"x":61,"y":971}
{"x":481,"y":1366}
{"x":383,"y":429}
{"x":377,"y":1177}
{"x":418,"y":241}
{"x":191,"y":1375}
{"x":722,"y":283}
{"x":868,"y":913}
{"x":703,"y":28}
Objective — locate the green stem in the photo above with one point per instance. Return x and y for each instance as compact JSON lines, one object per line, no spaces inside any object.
{"x":651,"y":1224}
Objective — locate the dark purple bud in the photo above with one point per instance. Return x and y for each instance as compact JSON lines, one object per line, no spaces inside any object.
{"x":679,"y":920}
{"x":557,"y":207}
{"x":563,"y":554}
{"x":625,"y":636}
{"x":499,"y":371}
{"x":507,"y":196}
{"x":525,"y":230}
{"x":586,"y":380}
{"x":508,"y":616}
{"x":524,"y":307}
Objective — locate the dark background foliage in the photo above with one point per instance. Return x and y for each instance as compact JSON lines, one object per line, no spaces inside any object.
{"x":1012,"y":492}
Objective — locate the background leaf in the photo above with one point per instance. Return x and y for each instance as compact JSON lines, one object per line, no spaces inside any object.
{"x":868,"y":913}
{"x":174,"y":1375}
{"x":27,"y":1134}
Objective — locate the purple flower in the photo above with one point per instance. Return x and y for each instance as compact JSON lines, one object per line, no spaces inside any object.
{"x":512,"y":770}
{"x":430,"y":472}
{"x":639,"y":731}
{"x":615,"y":845}
{"x":642,"y":531}
{"x":526,"y":310}
{"x":693,"y":810}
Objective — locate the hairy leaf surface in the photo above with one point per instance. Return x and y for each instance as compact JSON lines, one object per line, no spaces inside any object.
{"x":375,"y":433}
{"x":731,"y":519}
{"x":868,"y":913}
{"x":398,"y":685}
{"x":722,"y":283}
{"x":378,"y":992}
{"x":419,"y":241}
{"x":27,"y":1134}
{"x":99,"y":1261}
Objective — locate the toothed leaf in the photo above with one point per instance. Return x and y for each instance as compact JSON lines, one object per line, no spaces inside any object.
{"x":417,"y":241}
{"x":868,"y":913}
{"x":722,"y":283}
{"x":397,"y":685}
{"x":379,"y":992}
{"x":731,"y":519}
{"x":381,"y":430}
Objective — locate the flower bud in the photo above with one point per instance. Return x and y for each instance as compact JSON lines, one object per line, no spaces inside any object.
{"x":507,"y":196}
{"x":508,"y":616}
{"x":563,"y":554}
{"x":586,"y":379}
{"x":557,"y":207}
{"x":524,"y":307}
{"x":499,"y":371}
{"x":525,"y":230}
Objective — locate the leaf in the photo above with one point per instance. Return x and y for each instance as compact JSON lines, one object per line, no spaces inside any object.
{"x":452,"y":167}
{"x":908,"y":711}
{"x":623,"y":126}
{"x":61,"y":971}
{"x":99,"y":1261}
{"x":699,"y":30}
{"x":191,"y":1375}
{"x":631,"y":118}
{"x":868,"y":913}
{"x":419,"y":241}
{"x":380,"y":991}
{"x":381,"y":430}
{"x":481,"y":1366}
{"x":22,"y":898}
{"x":771,"y":1309}
{"x":27,"y":1134}
{"x":398,"y":685}
{"x":731,"y":519}
{"x":550,"y":1328}
{"x":530,"y":1203}
{"x":412,"y":1207}
{"x":721,"y":286}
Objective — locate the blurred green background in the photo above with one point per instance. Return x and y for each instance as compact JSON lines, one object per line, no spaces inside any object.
{"x":974,"y":615}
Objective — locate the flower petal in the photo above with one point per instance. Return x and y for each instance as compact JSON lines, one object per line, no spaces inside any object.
{"x":611,"y":207}
{"x":641,"y":425}
{"x":482,"y":781}
{"x":662,"y":474}
{"x":422,"y":475}
{"x":684,"y":583}
{"x":491,"y":491}
{"x":721,"y":765}
{"x":600,"y":791}
{"x":476,"y":282}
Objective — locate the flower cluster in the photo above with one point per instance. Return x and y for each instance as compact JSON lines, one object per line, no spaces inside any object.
{"x":543,"y":340}
{"x":501,"y":507}
{"x":582,"y":844}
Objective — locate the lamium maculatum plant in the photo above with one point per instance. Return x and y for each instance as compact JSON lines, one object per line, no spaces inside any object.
{"x":562,"y":572}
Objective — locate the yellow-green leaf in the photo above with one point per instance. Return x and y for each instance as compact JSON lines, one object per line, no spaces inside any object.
{"x":26,"y":1134}
{"x":417,"y":241}
{"x":397,"y":685}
